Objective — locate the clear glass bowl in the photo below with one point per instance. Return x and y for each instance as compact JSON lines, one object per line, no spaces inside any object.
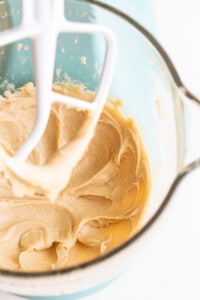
{"x":154,"y":96}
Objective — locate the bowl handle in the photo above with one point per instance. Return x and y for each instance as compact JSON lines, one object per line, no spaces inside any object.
{"x":192,"y":128}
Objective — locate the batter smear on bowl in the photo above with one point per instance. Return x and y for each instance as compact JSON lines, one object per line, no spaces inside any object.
{"x":101,"y":205}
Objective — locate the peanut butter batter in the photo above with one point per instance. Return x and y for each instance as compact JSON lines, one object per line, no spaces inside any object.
{"x":99,"y":207}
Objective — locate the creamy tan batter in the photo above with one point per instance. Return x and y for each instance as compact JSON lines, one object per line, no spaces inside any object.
{"x":99,"y":208}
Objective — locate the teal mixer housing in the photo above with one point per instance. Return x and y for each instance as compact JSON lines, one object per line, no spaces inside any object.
{"x":75,"y":60}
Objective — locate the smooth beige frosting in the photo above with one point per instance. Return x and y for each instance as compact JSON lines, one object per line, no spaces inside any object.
{"x":99,"y":207}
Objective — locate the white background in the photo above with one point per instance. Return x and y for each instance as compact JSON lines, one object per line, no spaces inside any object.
{"x":169,"y":268}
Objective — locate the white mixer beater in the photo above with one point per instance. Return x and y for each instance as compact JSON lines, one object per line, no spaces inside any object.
{"x":42,"y":21}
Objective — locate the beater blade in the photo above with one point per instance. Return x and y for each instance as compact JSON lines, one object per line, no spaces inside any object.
{"x":42,"y":22}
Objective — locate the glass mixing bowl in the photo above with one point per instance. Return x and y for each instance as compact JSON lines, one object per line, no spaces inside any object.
{"x":154,"y":96}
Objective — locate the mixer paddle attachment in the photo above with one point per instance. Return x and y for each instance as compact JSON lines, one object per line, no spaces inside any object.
{"x":42,"y":21}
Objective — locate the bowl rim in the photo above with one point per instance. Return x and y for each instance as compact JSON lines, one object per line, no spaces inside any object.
{"x":185,"y":170}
